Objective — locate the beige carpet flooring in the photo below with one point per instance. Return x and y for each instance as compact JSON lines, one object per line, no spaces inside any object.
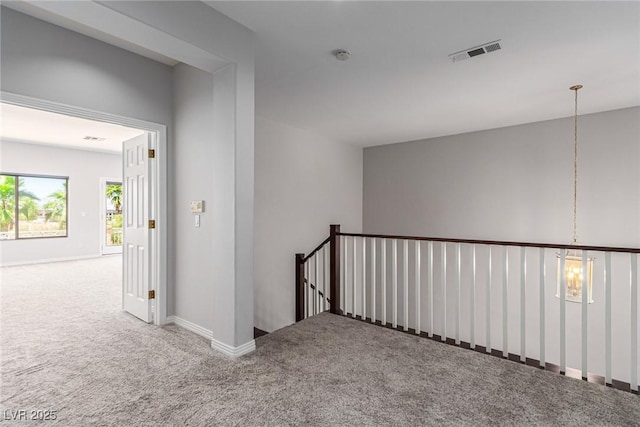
{"x":67,"y":347}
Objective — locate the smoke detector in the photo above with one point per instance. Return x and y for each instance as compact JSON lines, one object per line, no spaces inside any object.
{"x":342,"y":55}
{"x":475,"y":51}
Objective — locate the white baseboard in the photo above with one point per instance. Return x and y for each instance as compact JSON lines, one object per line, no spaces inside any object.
{"x":48,"y":260}
{"x":215,"y":344}
{"x":190,"y":326}
{"x":223,"y":348}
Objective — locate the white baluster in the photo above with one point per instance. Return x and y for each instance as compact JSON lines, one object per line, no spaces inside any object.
{"x":444,"y":290}
{"x":472,"y":300}
{"x":634,"y":322}
{"x":505,"y":303}
{"x":307,"y":296}
{"x":364,"y":278}
{"x":325,"y":275}
{"x":383,"y":277}
{"x":430,"y":285}
{"x":488,"y":298}
{"x":373,"y":280}
{"x":417,"y":278}
{"x":323,"y":272}
{"x":405,"y":281}
{"x":458,"y":295}
{"x":328,"y":276}
{"x":563,"y":289}
{"x":315,"y":283}
{"x":523,"y":316}
{"x":543,"y":272}
{"x":585,"y":305}
{"x":345,"y":275}
{"x":394,"y":270}
{"x":607,"y":317}
{"x":353,"y":279}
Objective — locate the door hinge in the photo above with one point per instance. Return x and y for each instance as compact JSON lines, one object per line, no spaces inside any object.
{"x":152,"y":154}
{"x":152,"y":224}
{"x":152,"y":294}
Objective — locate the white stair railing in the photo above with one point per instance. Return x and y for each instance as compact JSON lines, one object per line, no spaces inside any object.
{"x":502,"y":298}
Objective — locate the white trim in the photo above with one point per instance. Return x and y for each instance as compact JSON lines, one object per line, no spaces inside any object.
{"x":227,"y":350}
{"x":48,"y":260}
{"x":64,"y":146}
{"x":159,"y":176}
{"x":71,"y":110}
{"x":190,"y":326}
{"x":221,"y":347}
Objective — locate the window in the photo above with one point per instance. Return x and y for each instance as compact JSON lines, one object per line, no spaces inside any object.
{"x":32,"y":206}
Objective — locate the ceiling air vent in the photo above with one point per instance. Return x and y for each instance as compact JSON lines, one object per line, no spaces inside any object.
{"x":475,"y":51}
{"x":93,"y":138}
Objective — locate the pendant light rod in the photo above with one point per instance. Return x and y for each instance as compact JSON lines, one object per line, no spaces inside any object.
{"x":575,"y":165}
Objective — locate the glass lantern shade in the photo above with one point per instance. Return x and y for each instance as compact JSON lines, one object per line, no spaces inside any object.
{"x":575,"y":277}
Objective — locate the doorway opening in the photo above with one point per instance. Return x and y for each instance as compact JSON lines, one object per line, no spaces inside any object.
{"x":106,"y":213}
{"x":111,"y":215}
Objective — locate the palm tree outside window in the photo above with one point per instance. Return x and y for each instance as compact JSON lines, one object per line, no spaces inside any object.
{"x":33,"y":206}
{"x":114,"y":214}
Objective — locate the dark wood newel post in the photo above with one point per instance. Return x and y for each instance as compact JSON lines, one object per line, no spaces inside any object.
{"x":299,"y":287}
{"x":334,"y":269}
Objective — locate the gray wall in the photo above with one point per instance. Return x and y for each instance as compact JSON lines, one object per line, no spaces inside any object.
{"x":516,"y":184}
{"x":193,"y":276}
{"x":84,"y":169}
{"x":513,"y":183}
{"x":48,"y":62}
{"x":303,"y":184}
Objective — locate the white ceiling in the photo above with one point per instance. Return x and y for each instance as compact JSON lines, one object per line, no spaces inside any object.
{"x":41,"y":127}
{"x":400,"y":85}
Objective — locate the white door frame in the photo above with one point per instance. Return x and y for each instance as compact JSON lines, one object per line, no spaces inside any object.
{"x":103,"y":217}
{"x":158,"y":188}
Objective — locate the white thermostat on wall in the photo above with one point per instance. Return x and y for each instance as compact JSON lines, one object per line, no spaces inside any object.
{"x":197,"y":206}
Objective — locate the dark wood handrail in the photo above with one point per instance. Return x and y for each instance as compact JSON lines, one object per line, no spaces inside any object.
{"x":313,"y":252}
{"x":499,"y":243}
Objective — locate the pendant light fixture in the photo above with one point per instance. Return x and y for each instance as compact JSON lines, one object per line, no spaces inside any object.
{"x":574,"y":271}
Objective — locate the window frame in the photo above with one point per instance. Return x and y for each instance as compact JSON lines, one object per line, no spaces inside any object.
{"x":16,"y":207}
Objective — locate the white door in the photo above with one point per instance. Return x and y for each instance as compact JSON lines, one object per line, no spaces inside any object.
{"x":136,"y":233}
